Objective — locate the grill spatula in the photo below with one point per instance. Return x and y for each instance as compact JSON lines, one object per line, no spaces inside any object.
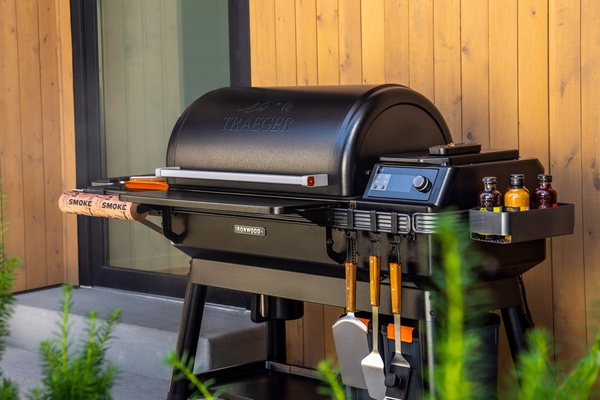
{"x":372,"y":365}
{"x":350,"y":336}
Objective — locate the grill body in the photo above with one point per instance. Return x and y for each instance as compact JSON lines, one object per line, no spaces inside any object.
{"x":272,"y":190}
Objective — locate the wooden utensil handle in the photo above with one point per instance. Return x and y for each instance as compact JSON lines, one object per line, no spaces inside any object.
{"x":396,"y":287}
{"x":374,"y":275}
{"x":350,"y":287}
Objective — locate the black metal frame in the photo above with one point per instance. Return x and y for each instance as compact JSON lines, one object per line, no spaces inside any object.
{"x":90,"y":149}
{"x":417,"y":303}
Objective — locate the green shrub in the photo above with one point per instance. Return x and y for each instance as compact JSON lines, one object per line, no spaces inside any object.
{"x":69,"y":372}
{"x":77,"y":373}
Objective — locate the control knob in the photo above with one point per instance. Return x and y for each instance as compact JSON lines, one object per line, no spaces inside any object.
{"x":421,"y":183}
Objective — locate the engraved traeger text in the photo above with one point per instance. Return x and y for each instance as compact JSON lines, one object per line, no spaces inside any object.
{"x":261,"y":123}
{"x":250,"y":230}
{"x":257,"y":124}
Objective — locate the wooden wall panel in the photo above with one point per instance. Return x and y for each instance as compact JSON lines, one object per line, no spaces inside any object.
{"x":590,"y":157}
{"x":328,"y":52}
{"x":33,"y":144}
{"x":67,"y":129}
{"x":350,"y":43}
{"x":420,"y":33}
{"x":306,"y":42}
{"x":446,"y":61}
{"x":397,"y":67}
{"x":532,"y":72}
{"x":285,"y":42}
{"x":503,"y":97}
{"x":564,"y":52}
{"x":51,"y":138}
{"x":11,"y":164}
{"x":373,"y":41}
{"x":510,"y":74}
{"x":475,"y":65}
{"x":36,"y":142}
{"x":262,"y":43}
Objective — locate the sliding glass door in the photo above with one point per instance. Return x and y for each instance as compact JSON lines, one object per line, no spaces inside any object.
{"x":151,"y":59}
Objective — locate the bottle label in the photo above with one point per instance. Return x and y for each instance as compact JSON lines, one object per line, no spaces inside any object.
{"x":491,"y":209}
{"x":515,"y":208}
{"x":540,"y":206}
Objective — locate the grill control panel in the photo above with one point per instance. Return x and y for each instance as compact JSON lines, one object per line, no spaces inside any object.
{"x":401,"y":183}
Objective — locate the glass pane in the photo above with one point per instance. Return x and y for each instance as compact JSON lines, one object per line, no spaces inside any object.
{"x":157,"y":56}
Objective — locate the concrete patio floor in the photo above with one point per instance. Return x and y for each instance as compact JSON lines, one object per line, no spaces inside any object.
{"x":146,"y":333}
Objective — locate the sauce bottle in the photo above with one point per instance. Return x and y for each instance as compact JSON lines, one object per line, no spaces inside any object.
{"x":516,"y":197}
{"x":544,"y":196}
{"x":489,"y":199}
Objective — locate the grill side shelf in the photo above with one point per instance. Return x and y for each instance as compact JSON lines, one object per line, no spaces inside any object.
{"x":513,"y":227}
{"x":222,"y":202}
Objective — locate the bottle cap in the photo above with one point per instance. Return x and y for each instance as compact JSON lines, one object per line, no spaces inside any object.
{"x":544,"y":178}
{"x":517,"y":179}
{"x":489,"y":179}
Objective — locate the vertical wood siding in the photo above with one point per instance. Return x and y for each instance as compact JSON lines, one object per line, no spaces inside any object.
{"x":37,"y":147}
{"x":505,"y":73}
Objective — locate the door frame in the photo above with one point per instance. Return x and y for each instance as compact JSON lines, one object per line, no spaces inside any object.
{"x":90,"y":150}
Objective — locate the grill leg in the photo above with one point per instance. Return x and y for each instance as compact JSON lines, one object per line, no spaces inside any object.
{"x":276,"y":341}
{"x":515,"y":325}
{"x":189,"y":334}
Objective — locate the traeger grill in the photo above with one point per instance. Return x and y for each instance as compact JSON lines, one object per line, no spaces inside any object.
{"x":272,"y":190}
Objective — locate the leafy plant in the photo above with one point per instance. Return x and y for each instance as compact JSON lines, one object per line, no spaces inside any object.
{"x":82,"y":373}
{"x":331,"y":377}
{"x":455,"y":345}
{"x":185,"y":368}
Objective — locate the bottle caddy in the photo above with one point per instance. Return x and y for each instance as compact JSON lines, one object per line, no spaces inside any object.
{"x":507,"y":223}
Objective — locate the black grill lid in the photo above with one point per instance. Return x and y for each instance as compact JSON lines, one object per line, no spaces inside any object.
{"x":337,"y":132}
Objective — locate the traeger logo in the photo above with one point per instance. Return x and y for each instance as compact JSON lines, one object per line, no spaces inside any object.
{"x":253,"y":118}
{"x":249,"y":230}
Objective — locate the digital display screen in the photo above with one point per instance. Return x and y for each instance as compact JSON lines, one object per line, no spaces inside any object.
{"x":393,"y":182}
